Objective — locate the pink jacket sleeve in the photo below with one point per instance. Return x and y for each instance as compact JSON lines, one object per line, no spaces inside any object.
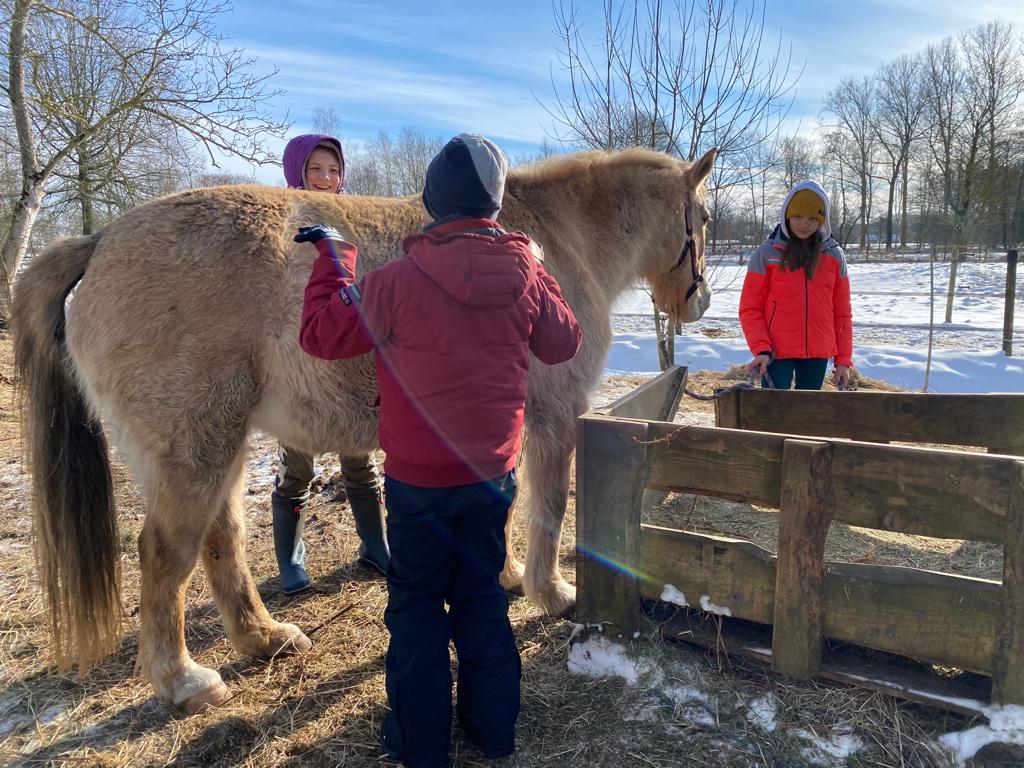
{"x":556,"y":335}
{"x":842,"y":314}
{"x":752,"y":317}
{"x":334,"y":325}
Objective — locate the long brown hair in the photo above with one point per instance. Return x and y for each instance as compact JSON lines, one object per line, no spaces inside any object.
{"x":803,"y":253}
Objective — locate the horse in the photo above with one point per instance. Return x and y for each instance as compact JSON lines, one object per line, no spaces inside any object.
{"x":174,"y":330}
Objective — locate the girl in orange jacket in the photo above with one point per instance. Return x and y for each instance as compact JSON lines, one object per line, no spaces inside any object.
{"x":795,"y":306}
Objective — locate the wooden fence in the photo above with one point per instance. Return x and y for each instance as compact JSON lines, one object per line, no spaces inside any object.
{"x":806,"y":616}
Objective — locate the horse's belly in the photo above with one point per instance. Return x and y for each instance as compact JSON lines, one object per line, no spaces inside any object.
{"x":319,"y":406}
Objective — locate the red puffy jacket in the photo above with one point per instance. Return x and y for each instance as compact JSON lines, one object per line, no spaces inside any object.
{"x":792,"y":316}
{"x":453,"y":326}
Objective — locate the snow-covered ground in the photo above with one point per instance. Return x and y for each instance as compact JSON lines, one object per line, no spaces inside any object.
{"x":891,"y":315}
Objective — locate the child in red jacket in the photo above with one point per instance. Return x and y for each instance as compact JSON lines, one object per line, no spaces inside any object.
{"x":453,"y":326}
{"x":795,"y":306}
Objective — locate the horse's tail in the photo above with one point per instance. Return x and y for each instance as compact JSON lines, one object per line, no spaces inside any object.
{"x":74,"y":521}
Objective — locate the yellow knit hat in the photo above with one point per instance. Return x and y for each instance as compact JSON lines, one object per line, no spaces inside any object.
{"x":806,"y":203}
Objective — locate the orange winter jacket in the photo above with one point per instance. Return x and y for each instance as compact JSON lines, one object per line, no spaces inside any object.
{"x":783,"y":312}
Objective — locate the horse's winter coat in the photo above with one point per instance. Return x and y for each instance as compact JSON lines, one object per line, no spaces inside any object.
{"x":182,"y":337}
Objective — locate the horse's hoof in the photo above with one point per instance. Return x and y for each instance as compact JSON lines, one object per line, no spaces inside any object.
{"x":272,"y":640}
{"x":207,"y":699}
{"x":199,"y":689}
{"x":287,"y":639}
{"x":557,"y":599}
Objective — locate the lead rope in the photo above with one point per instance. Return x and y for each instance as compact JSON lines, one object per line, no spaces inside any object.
{"x":722,"y":391}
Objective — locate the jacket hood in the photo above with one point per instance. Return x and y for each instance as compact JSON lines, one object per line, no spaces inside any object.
{"x":826,"y":228}
{"x":475,"y":262}
{"x":297,"y":152}
{"x":778,"y":239}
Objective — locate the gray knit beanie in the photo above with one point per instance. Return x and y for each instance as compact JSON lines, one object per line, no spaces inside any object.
{"x":466,"y":177}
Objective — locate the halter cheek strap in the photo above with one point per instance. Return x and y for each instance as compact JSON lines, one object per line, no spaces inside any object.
{"x":689,"y":247}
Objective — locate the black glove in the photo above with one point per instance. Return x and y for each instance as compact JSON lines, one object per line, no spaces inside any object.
{"x":317,"y":233}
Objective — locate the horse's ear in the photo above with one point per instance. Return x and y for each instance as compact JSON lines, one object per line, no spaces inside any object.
{"x":700,"y":170}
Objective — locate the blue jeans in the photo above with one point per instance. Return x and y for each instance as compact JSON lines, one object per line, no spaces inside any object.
{"x":809,"y":371}
{"x":448,"y":546}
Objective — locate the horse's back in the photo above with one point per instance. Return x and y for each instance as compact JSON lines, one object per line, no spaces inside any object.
{"x":187,"y":319}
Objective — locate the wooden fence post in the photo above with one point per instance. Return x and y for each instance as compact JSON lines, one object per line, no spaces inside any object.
{"x":727,"y":410}
{"x":1008,"y":665}
{"x":805,"y":514}
{"x":1011,"y":297}
{"x":611,"y":473}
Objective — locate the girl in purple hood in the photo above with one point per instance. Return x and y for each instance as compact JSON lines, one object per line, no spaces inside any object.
{"x":317,"y":163}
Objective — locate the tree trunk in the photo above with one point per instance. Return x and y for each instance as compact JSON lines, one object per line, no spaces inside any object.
{"x":954,"y":259}
{"x":85,"y":194}
{"x":864,"y":223}
{"x":664,"y":335}
{"x":889,"y":210}
{"x":29,"y":204}
{"x":904,"y":226}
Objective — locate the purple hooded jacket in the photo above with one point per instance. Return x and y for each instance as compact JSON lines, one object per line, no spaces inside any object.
{"x":297,"y":152}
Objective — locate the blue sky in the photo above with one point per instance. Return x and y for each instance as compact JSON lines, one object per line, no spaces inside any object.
{"x":453,"y":66}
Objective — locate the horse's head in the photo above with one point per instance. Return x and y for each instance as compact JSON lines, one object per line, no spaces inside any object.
{"x":675,"y":269}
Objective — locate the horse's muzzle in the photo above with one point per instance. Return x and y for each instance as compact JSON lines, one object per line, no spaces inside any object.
{"x":698,"y":304}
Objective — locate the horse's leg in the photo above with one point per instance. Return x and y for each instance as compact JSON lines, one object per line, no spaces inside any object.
{"x":512,"y":574}
{"x":248,"y":624}
{"x":548,"y":454}
{"x":176,"y":522}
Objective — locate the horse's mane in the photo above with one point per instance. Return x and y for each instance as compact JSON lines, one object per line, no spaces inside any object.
{"x":565,"y":167}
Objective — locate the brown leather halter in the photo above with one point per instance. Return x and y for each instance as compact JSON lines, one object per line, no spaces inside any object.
{"x":689,"y":247}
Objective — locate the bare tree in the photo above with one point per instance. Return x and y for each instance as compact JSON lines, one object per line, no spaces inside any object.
{"x":326,"y":122}
{"x":900,"y":94}
{"x":389,"y":166}
{"x":969,"y":94}
{"x":681,"y":77}
{"x":992,"y":54}
{"x":837,"y":148}
{"x":168,"y":68}
{"x":851,"y":103}
{"x":678,"y":76}
{"x":797,"y":160}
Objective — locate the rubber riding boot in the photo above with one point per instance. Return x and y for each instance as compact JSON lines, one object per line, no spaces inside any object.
{"x":289,"y":517}
{"x":368,"y":512}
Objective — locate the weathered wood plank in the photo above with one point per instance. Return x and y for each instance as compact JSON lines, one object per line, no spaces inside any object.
{"x":931,"y":492}
{"x":1008,"y":673}
{"x":984,"y":420}
{"x":967,"y":694}
{"x":732,"y":573}
{"x":876,"y":606}
{"x":935,"y":617}
{"x":727,"y":411}
{"x":656,"y":399}
{"x":804,"y":519}
{"x":728,"y":463}
{"x":610,"y":475}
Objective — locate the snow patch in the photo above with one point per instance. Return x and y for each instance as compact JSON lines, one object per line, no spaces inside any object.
{"x":685,"y":694}
{"x":600,"y":657}
{"x":762,"y":712}
{"x":707,"y":605}
{"x":831,"y":750}
{"x":16,"y":716}
{"x":672,"y":595}
{"x":1006,"y":726}
{"x":691,"y":705}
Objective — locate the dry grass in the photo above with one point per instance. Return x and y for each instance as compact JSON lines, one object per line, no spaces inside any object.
{"x":324,"y":707}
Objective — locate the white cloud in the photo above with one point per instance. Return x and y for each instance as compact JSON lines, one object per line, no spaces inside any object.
{"x":409,"y":91}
